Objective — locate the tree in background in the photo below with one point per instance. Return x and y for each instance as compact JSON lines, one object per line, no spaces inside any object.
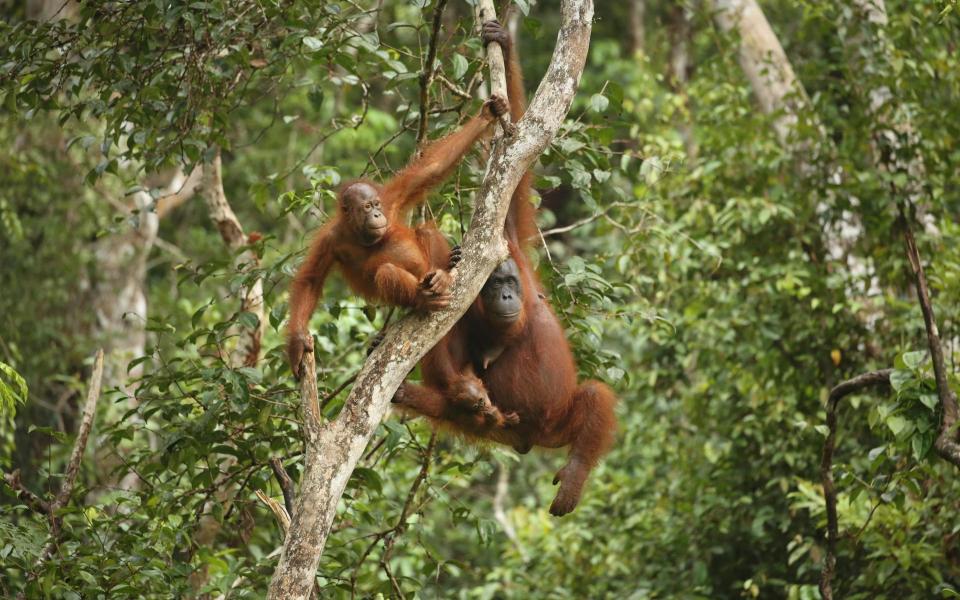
{"x":723,"y":260}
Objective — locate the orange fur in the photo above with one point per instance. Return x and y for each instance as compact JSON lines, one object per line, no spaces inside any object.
{"x":533,"y":374}
{"x":389,"y":271}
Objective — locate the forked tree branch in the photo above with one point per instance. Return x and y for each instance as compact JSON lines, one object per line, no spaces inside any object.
{"x":286,"y":483}
{"x":333,"y":448}
{"x":247,"y":351}
{"x":946,"y":443}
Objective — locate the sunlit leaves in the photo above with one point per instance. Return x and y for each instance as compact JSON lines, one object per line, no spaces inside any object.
{"x":13,"y":389}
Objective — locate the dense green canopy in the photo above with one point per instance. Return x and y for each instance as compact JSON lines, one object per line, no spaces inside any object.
{"x":720,"y":274}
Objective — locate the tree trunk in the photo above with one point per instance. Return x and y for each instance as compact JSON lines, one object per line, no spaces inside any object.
{"x":119,"y":296}
{"x":679,"y":31}
{"x":333,"y":448}
{"x":764,"y":63}
{"x":638,"y":9}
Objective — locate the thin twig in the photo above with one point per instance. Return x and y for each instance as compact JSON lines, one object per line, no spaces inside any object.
{"x":333,"y":394}
{"x":586,"y":220}
{"x":500,"y":513}
{"x":426,"y":75}
{"x":33,"y":501}
{"x":456,"y":90}
{"x":286,"y":484}
{"x":279,"y":511}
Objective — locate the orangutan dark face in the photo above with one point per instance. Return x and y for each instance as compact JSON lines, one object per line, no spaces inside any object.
{"x":502,"y":294}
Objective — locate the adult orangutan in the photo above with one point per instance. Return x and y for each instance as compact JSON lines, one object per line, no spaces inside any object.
{"x":505,"y":372}
{"x":382,"y":258}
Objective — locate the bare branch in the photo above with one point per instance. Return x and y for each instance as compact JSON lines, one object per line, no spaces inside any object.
{"x":333,"y":448}
{"x":70,"y":477}
{"x":586,"y":220}
{"x":495,"y":61}
{"x":946,"y":443}
{"x":279,"y":511}
{"x":180,"y":189}
{"x":33,"y":501}
{"x":851,"y":386}
{"x":500,"y":513}
{"x":426,"y":76}
{"x":247,"y":351}
{"x":286,"y":484}
{"x":455,"y":89}
{"x":83,"y":433}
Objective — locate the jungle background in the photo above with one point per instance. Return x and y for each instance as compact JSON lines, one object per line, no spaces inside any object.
{"x":721,"y":253}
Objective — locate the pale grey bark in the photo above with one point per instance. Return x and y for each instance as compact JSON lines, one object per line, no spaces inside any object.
{"x":247,"y":350}
{"x":333,"y":448}
{"x":679,"y":29}
{"x":119,"y":294}
{"x":495,"y":60}
{"x":764,"y":62}
{"x":120,"y":301}
{"x":51,"y":10}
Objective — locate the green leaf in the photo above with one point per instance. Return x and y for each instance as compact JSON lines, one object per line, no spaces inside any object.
{"x":13,"y":388}
{"x":897,"y":424}
{"x":921,"y":444}
{"x":460,"y":66}
{"x":363,"y":477}
{"x":571,"y":146}
{"x":899,"y":379}
{"x":313,"y":44}
{"x":198,"y":315}
{"x":651,"y":169}
{"x":599,"y":102}
{"x":249,"y":320}
{"x":615,"y":93}
{"x":914,"y":359}
{"x":875,"y":452}
{"x":929,"y":400}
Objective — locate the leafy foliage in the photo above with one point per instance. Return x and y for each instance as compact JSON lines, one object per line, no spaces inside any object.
{"x":695,"y":265}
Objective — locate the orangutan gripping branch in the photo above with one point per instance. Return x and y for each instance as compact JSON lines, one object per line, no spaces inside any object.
{"x":382,"y":258}
{"x":505,"y":372}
